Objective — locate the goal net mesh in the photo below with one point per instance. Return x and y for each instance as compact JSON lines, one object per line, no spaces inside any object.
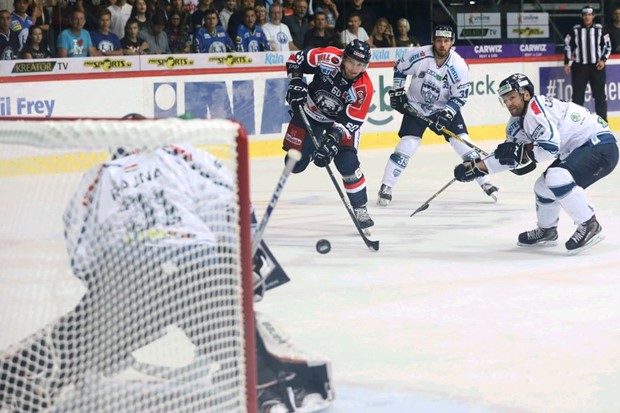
{"x":121,"y":266}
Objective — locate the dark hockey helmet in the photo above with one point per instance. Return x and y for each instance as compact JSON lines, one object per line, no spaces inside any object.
{"x":444,"y":30}
{"x":358,"y":50}
{"x":518,"y":82}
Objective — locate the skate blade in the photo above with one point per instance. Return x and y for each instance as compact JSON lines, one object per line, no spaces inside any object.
{"x":593,"y":241}
{"x":542,"y":244}
{"x":383,"y":202}
{"x":494,"y":197}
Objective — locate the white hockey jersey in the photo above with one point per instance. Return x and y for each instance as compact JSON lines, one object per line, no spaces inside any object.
{"x":555,"y":128}
{"x":433,"y":88}
{"x":169,"y":196}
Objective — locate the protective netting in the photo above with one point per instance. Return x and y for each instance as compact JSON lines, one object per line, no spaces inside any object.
{"x":120,"y":275}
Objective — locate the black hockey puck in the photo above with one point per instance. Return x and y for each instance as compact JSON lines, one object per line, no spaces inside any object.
{"x":323,"y":246}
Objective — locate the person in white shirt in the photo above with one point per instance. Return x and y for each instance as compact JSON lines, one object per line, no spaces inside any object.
{"x":120,"y":14}
{"x":354,"y":30}
{"x":278,"y":34}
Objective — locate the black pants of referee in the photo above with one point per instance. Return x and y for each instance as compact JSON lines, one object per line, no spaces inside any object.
{"x":581,"y":75}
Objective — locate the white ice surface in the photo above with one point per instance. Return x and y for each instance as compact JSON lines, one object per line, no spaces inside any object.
{"x":449,"y":315}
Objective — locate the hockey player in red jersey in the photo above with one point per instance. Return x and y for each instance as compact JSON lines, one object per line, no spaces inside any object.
{"x":336,"y":103}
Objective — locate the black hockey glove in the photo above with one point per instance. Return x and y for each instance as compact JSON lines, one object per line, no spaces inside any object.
{"x":444,"y":119}
{"x":511,"y":153}
{"x":398,"y":100}
{"x":328,"y":148}
{"x":468,"y":171}
{"x":296,"y":93}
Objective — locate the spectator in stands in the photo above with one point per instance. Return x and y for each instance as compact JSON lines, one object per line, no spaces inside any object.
{"x":178,"y":37}
{"x":132,"y":43}
{"x":261,"y":14}
{"x":177,"y":6}
{"x":403,"y":39}
{"x":21,"y":21}
{"x":120,"y":13}
{"x":156,"y":36}
{"x":236,"y":19}
{"x":75,"y":41}
{"x":250,"y":37}
{"x":277,"y":33}
{"x":354,"y":31}
{"x":141,"y":13}
{"x":287,"y":8}
{"x":212,"y":38}
{"x":229,"y":8}
{"x":330,"y":9}
{"x":105,"y":42}
{"x":382,"y":34}
{"x":9,"y":41}
{"x":158,"y":8}
{"x":40,"y":15}
{"x":198,"y":15}
{"x":320,"y":35}
{"x":35,"y":47}
{"x":366,"y":13}
{"x":298,"y":22}
{"x":614,"y":30}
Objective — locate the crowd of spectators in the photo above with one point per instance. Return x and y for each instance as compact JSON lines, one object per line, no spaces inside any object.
{"x":81,"y":28}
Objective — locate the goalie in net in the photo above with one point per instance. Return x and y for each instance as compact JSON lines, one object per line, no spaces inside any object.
{"x":150,"y":234}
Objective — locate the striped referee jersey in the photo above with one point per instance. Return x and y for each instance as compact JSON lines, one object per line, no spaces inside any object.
{"x":587,"y":45}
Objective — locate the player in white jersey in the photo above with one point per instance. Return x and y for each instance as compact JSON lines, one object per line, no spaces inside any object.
{"x":582,"y":148}
{"x":438,"y":90}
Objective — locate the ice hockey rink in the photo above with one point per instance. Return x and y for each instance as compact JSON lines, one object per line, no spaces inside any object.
{"x":449,"y":315}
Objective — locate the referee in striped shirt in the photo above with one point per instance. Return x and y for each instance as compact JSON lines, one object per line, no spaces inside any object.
{"x":589,"y":46}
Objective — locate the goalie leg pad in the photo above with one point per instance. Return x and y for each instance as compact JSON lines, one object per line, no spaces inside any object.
{"x":307,"y":380}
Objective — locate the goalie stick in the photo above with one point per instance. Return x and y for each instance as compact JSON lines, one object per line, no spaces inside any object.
{"x":372,"y":245}
{"x":529,"y":167}
{"x":293,"y":156}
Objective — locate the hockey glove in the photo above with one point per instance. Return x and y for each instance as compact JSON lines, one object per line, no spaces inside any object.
{"x":398,"y":100}
{"x":511,"y":153}
{"x":296,"y":93}
{"x":324,"y":154}
{"x":468,"y":171}
{"x":444,"y":119}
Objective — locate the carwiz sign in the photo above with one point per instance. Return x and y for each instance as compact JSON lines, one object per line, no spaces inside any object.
{"x":506,"y":50}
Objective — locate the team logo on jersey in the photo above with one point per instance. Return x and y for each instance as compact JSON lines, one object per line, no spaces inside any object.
{"x":327,"y":103}
{"x":575,"y":117}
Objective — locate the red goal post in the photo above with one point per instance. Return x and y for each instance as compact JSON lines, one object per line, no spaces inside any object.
{"x":41,"y":164}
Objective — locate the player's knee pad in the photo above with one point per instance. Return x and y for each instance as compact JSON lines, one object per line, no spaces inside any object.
{"x":544,"y":195}
{"x":408,"y":145}
{"x":400,"y":159}
{"x":559,"y":181}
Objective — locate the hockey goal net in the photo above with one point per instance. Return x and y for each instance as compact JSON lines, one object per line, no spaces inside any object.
{"x":125,"y":282}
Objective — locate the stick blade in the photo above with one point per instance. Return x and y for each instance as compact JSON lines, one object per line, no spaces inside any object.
{"x":373,"y":245}
{"x":420,"y":209}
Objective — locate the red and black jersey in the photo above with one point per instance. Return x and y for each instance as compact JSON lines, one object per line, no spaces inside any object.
{"x":331,"y":97}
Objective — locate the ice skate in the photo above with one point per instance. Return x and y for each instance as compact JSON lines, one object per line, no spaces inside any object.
{"x":270,"y":402}
{"x":361,"y":214}
{"x":539,"y":237}
{"x":586,"y":235}
{"x":385,"y":195}
{"x":490,"y":190}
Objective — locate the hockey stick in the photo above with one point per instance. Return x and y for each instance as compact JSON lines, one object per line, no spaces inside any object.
{"x":426,"y":204}
{"x":293,"y":157}
{"x":372,"y":245}
{"x":529,"y":167}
